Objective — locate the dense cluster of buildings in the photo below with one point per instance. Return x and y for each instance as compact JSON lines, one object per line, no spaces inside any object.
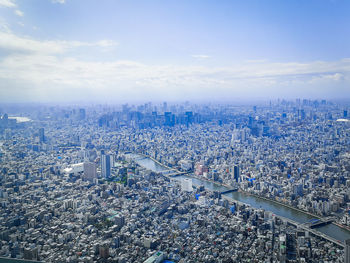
{"x":69,"y":194}
{"x":298,"y":157}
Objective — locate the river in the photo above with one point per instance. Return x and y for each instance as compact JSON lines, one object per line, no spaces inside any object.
{"x":279,"y":210}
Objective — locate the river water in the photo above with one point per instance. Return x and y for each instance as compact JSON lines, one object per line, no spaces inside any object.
{"x":279,"y":210}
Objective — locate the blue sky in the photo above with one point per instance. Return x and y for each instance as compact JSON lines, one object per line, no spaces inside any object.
{"x":116,"y":51}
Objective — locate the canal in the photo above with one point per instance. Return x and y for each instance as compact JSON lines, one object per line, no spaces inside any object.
{"x":256,"y":202}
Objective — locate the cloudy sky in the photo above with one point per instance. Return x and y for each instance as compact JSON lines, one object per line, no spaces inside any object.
{"x":200,"y":50}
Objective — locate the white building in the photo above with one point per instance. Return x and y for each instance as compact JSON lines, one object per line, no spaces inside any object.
{"x":186,"y":185}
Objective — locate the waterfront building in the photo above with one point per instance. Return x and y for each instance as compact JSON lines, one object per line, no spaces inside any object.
{"x":186,"y":185}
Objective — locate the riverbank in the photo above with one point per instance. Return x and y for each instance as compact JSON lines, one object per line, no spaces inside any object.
{"x":258,"y":196}
{"x":210,"y":181}
{"x":159,"y":163}
{"x":296,"y":224}
{"x":242,"y":191}
{"x":341,"y":226}
{"x":294,"y":208}
{"x":281,"y":203}
{"x":333,"y":232}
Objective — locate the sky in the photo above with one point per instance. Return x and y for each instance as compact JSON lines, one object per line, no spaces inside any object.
{"x":173,"y":50}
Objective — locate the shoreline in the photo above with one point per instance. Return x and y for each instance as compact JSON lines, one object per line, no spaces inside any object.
{"x":281,"y":203}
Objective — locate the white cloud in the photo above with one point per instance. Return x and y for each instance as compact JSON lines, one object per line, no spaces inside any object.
{"x":336,"y":76}
{"x":327,"y":78}
{"x":59,"y":1}
{"x":60,"y":78}
{"x":201,"y":56}
{"x":7,"y":3}
{"x":48,"y":70}
{"x":4,"y":26}
{"x":12,"y":43}
{"x":106,"y":43}
{"x":19,"y":12}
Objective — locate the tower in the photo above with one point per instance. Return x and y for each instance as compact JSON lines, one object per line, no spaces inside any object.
{"x":89,"y":171}
{"x":82,"y":114}
{"x":236,"y":173}
{"x":106,"y":165}
{"x":41,"y":135}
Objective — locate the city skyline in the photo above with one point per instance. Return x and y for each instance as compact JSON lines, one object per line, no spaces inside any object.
{"x":177,"y":183}
{"x":119,"y":51}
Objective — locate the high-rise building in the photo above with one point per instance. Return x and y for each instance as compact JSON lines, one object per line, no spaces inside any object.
{"x":189,"y":117}
{"x":82,"y":114}
{"x":41,"y":135}
{"x":106,"y":165}
{"x":236,"y":173}
{"x":347,"y":251}
{"x":345,"y":115}
{"x":168,"y":117}
{"x":89,"y":171}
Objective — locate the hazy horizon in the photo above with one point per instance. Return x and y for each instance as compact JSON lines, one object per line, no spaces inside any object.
{"x":65,"y":51}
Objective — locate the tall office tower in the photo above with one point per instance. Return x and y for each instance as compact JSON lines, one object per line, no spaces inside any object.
{"x":168,"y":119}
{"x":345,"y":115}
{"x":41,"y":135}
{"x":189,"y":117}
{"x":106,"y":166}
{"x":347,"y":251}
{"x":236,"y":173}
{"x":89,"y":171}
{"x":82,"y":114}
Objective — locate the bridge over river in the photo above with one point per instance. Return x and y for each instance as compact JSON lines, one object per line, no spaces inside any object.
{"x":326,"y":229}
{"x":315,"y":223}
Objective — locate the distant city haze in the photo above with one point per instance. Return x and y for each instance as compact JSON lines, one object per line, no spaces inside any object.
{"x":129,"y":51}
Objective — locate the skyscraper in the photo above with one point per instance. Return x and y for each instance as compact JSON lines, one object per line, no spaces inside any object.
{"x":82,"y":114}
{"x":41,"y":135}
{"x":106,"y":165}
{"x":236,"y":173}
{"x":89,"y":171}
